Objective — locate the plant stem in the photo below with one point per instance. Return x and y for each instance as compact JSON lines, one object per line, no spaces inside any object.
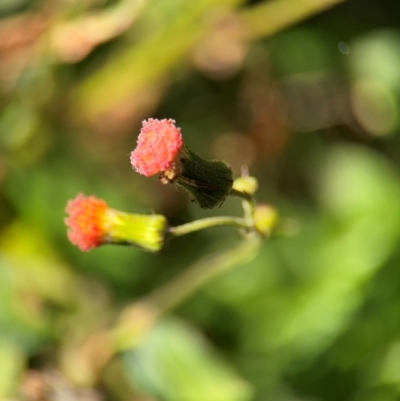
{"x":136,"y":320}
{"x":218,"y":221}
{"x":245,"y":196}
{"x":248,"y":204}
{"x":178,"y":289}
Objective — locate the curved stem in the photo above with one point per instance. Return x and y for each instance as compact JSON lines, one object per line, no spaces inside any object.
{"x":137,"y":319}
{"x":219,"y":221}
{"x":243,"y":195}
{"x":247,"y":203}
{"x":185,"y":284}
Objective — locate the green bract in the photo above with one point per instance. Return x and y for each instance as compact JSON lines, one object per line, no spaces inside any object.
{"x":208,"y":181}
{"x":144,"y":231}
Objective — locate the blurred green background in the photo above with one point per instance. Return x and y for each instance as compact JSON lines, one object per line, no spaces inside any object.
{"x":307,"y":95}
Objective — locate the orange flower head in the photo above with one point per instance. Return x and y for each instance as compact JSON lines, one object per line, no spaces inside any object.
{"x":158,"y":145}
{"x":86,"y":221}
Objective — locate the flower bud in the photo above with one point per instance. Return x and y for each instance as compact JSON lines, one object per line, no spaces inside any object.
{"x":265,"y":218}
{"x":246,"y":184}
{"x":160,"y":149}
{"x":92,"y":223}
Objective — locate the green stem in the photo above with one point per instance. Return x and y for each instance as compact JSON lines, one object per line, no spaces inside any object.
{"x":197,"y":225}
{"x":243,"y":195}
{"x":137,"y":319}
{"x":248,"y":204}
{"x":180,"y":288}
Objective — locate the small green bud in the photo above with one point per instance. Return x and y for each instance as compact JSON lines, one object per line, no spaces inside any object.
{"x":246,"y":184}
{"x":265,"y":218}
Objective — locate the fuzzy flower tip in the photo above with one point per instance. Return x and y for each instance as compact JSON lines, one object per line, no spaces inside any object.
{"x":86,"y":221}
{"x":159,"y":143}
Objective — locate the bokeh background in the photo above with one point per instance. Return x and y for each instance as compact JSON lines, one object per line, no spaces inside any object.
{"x":304,"y":93}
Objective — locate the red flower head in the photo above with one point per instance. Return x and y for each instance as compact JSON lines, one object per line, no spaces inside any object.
{"x":86,"y":221}
{"x":158,"y":145}
{"x":92,"y":223}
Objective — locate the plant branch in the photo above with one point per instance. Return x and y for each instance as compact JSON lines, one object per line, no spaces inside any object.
{"x":247,"y":203}
{"x":218,"y":221}
{"x":180,"y":288}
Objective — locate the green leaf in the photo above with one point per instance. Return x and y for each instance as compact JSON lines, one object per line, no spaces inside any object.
{"x":177,"y":363}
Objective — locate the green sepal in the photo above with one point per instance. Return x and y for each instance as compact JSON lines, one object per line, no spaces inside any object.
{"x":145,"y":231}
{"x":208,"y":181}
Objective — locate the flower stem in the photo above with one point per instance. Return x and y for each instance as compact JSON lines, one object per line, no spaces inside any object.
{"x":180,"y":288}
{"x":247,"y":203}
{"x":243,"y":195}
{"x":137,"y":319}
{"x":218,"y":221}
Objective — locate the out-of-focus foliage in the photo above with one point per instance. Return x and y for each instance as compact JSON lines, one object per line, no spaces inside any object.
{"x":310,"y":105}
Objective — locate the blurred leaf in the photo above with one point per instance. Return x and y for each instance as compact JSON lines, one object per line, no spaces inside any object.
{"x":11,"y":366}
{"x":360,"y":191}
{"x":7,"y":6}
{"x":376,"y":56}
{"x":177,"y":364}
{"x":270,"y":17}
{"x":301,"y":292}
{"x":300,"y":50}
{"x":33,"y":281}
{"x":134,"y":68}
{"x":375,"y":105}
{"x":36,"y":266}
{"x":17,"y":125}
